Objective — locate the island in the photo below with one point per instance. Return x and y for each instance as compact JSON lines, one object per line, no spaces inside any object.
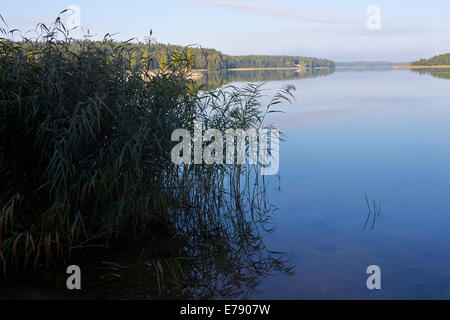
{"x":439,"y":61}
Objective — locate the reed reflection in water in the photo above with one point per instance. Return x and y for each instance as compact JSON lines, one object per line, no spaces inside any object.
{"x":212,"y":244}
{"x":216,"y":249}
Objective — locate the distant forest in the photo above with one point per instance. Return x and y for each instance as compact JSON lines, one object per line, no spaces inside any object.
{"x":370,"y":64}
{"x":199,"y":58}
{"x":212,"y":59}
{"x":443,"y":59}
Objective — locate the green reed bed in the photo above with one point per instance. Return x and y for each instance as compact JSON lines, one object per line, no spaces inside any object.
{"x":85,"y":145}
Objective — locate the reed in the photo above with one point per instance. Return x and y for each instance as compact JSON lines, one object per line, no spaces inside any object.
{"x":85,"y":147}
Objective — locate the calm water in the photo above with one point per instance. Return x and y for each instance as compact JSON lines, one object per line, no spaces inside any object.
{"x":385,"y":133}
{"x":350,"y":132}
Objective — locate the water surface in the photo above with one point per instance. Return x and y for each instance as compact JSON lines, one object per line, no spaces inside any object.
{"x":383,"y":132}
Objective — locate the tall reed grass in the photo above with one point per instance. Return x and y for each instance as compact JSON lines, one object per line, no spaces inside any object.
{"x":85,"y":147}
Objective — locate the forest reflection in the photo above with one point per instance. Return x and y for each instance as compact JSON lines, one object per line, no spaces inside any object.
{"x":214,"y":80}
{"x":441,"y":73}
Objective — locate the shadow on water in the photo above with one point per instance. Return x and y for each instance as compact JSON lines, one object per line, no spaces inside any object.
{"x":214,"y":80}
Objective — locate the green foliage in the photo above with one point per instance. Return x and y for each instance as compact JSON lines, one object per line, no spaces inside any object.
{"x":85,"y":140}
{"x":443,"y":59}
{"x":212,"y":59}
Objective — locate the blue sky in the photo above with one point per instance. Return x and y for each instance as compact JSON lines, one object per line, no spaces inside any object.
{"x":332,"y":29}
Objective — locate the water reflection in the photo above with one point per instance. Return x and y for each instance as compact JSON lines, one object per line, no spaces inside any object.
{"x":214,"y":80}
{"x":365,"y":69}
{"x":215,"y":250}
{"x":374,"y":211}
{"x":441,"y":73}
{"x":396,"y":150}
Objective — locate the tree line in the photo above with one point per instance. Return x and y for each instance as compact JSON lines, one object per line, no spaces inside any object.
{"x":443,"y":59}
{"x":160,"y":55}
{"x":212,"y":59}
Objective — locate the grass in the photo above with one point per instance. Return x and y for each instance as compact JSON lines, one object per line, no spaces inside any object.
{"x":85,"y":153}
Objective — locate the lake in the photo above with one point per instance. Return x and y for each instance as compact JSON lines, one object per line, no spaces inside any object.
{"x":384,"y":133}
{"x":364,"y":180}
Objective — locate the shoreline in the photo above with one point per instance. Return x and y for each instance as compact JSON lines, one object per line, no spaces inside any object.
{"x":199,"y":73}
{"x":266,"y":68}
{"x":253,"y":69}
{"x":272,"y":68}
{"x":195,"y":74}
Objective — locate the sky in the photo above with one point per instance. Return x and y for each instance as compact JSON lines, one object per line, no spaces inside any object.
{"x":398,"y":30}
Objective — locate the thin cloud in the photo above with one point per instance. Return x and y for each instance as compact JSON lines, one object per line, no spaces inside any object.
{"x":309,"y":15}
{"x":318,"y":20}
